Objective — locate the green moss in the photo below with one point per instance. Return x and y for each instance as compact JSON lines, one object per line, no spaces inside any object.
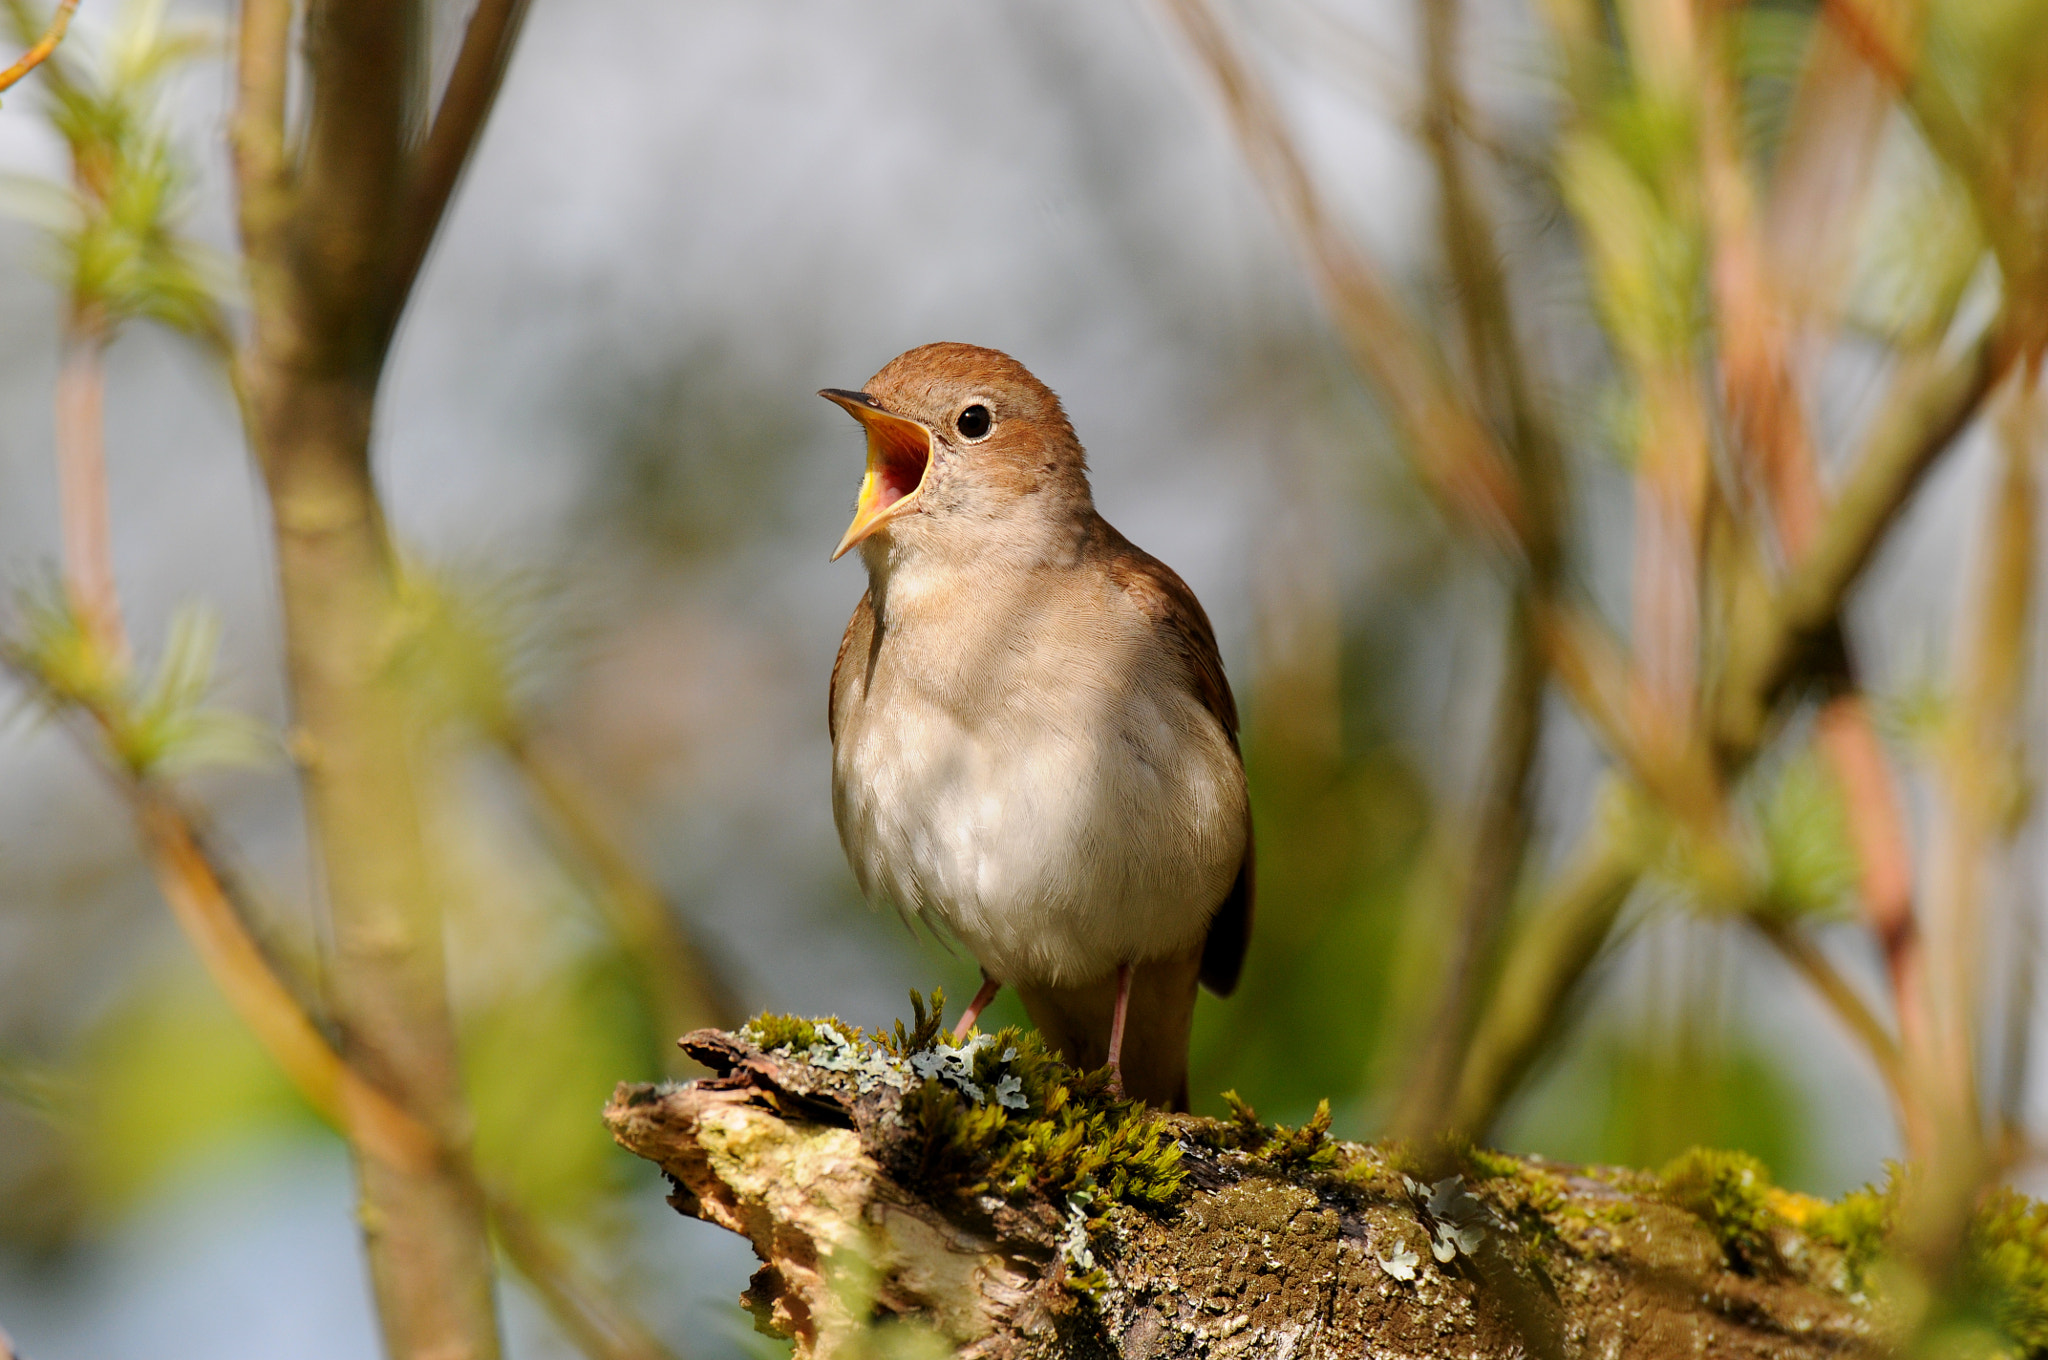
{"x":1071,"y":1140}
{"x":1859,"y":1225}
{"x":927,"y":1018}
{"x":769,"y":1031}
{"x":1483,"y":1164}
{"x":1730,"y":1192}
{"x":2008,"y":1268}
{"x":1286,"y":1150}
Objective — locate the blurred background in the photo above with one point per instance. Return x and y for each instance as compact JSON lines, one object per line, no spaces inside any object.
{"x":599,"y":449}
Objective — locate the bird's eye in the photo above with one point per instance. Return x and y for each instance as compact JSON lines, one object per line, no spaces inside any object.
{"x":973,"y":421}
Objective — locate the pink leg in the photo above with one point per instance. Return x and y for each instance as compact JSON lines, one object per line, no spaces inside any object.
{"x":989,"y":988}
{"x":1116,"y":1030}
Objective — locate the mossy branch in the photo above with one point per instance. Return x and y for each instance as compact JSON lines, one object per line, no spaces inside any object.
{"x":885,"y":1202}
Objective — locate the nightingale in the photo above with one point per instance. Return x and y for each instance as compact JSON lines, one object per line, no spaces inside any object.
{"x":1033,"y":743}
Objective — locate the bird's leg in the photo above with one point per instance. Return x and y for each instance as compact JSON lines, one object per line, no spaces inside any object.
{"x":1116,"y":1030}
{"x":989,"y":988}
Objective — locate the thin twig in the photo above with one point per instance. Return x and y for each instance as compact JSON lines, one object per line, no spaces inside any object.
{"x":472,"y":88}
{"x":1566,"y":931}
{"x":1456,"y":455}
{"x":684,"y":993}
{"x":1980,"y":774}
{"x":1932,"y":402}
{"x":256,"y":131}
{"x":87,"y":536}
{"x":370,"y":1119}
{"x":1754,"y":328}
{"x":1500,"y":831}
{"x":41,"y":49}
{"x":580,"y":1305}
{"x":1797,"y":949}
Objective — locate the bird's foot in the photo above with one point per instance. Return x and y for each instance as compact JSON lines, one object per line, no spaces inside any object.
{"x":1116,"y":1031}
{"x":989,"y":988}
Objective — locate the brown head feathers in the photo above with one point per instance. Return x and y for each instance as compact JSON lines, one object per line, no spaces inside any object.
{"x":997,"y":430}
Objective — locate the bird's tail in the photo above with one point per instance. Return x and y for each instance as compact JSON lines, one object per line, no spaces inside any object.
{"x":1075,"y":1022}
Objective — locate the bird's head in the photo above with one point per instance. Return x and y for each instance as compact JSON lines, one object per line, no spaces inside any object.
{"x":966,"y":451}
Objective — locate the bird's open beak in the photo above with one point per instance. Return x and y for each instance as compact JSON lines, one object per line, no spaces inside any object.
{"x":899,"y":452}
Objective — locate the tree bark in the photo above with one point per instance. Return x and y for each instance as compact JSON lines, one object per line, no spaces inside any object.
{"x":332,"y":237}
{"x":1273,"y":1245}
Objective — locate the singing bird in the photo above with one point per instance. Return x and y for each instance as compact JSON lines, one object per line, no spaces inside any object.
{"x":1033,"y":743}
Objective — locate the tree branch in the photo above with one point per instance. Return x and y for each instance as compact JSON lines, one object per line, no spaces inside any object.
{"x":320,"y":261}
{"x":1500,"y":831}
{"x":361,"y":56}
{"x":1271,"y":1242}
{"x":1755,"y":329}
{"x":487,"y":45}
{"x":40,"y":50}
{"x":256,"y":133}
{"x":1933,"y":402}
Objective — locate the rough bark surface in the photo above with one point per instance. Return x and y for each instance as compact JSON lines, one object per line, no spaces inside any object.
{"x":1258,"y":1254}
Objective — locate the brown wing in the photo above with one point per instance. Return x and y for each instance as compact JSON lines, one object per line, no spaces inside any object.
{"x":1174,"y":610}
{"x":857,"y":641}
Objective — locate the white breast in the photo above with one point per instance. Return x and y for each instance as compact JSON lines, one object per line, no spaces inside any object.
{"x":1055,"y":795}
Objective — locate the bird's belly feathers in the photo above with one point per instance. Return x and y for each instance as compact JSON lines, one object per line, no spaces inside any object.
{"x":1053,"y":847}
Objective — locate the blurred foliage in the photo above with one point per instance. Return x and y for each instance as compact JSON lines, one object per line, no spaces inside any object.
{"x":1809,"y":866}
{"x":1631,"y":1095}
{"x":1358,"y":827}
{"x":536,"y":1062}
{"x":159,"y":724}
{"x":122,"y":252}
{"x":168,"y":1078}
{"x":469,"y":646}
{"x":692,"y":452}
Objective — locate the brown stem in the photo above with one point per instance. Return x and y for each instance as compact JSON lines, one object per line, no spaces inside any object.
{"x":1979,"y":780}
{"x":320,"y":239}
{"x":1847,"y":735}
{"x":1754,"y":327}
{"x":40,"y":50}
{"x":1486,"y":305}
{"x":472,"y":88}
{"x":1933,"y":400}
{"x":1500,"y":831}
{"x":1498,"y":848}
{"x":256,"y":135}
{"x":82,"y":492}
